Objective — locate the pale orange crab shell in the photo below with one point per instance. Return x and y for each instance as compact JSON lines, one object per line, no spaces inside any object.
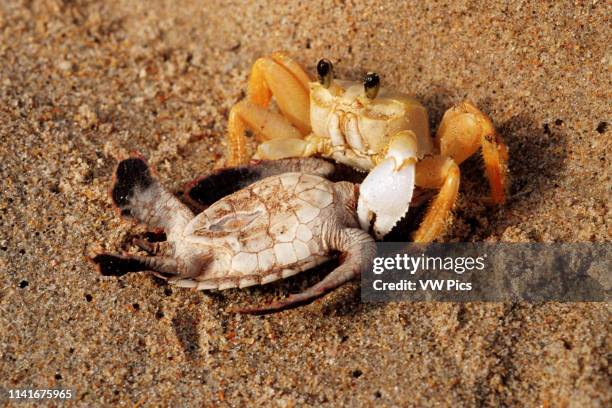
{"x":360,"y":128}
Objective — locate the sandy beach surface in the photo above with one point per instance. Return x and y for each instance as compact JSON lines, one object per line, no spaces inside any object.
{"x":85,"y":82}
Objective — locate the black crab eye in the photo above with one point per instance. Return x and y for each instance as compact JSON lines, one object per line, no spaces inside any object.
{"x":371,"y":83}
{"x":325,"y":71}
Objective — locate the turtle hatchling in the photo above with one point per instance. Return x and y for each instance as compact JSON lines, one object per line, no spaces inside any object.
{"x":287,"y":219}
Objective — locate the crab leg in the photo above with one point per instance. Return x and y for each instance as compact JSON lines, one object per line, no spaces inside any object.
{"x":277,"y":76}
{"x":357,"y":248}
{"x":462,"y":131}
{"x":286,"y":147}
{"x":385,"y":194}
{"x":443,"y":173}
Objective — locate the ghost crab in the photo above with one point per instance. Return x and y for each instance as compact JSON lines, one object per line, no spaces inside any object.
{"x":372,"y":129}
{"x":289,"y":218}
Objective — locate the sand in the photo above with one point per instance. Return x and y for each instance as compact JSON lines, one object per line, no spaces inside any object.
{"x":84,"y":82}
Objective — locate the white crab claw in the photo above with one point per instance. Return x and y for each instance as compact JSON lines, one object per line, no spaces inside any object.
{"x":385,"y":194}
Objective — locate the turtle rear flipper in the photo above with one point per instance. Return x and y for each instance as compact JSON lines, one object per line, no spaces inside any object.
{"x":138,"y":195}
{"x":119,"y":265}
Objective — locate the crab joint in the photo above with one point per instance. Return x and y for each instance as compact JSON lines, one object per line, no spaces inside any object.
{"x":402,"y":149}
{"x":325,"y":71}
{"x":371,"y":83}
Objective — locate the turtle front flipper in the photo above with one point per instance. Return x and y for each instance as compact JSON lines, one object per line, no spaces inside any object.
{"x":206,"y":190}
{"x":357,"y":250}
{"x":138,"y":195}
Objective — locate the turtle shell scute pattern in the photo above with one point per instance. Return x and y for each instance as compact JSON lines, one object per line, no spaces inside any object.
{"x":272,"y":229}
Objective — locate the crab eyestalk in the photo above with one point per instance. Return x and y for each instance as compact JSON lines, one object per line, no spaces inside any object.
{"x":371,"y":84}
{"x":325,"y":72}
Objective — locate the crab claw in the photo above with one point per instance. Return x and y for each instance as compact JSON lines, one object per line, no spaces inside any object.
{"x":385,"y":194}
